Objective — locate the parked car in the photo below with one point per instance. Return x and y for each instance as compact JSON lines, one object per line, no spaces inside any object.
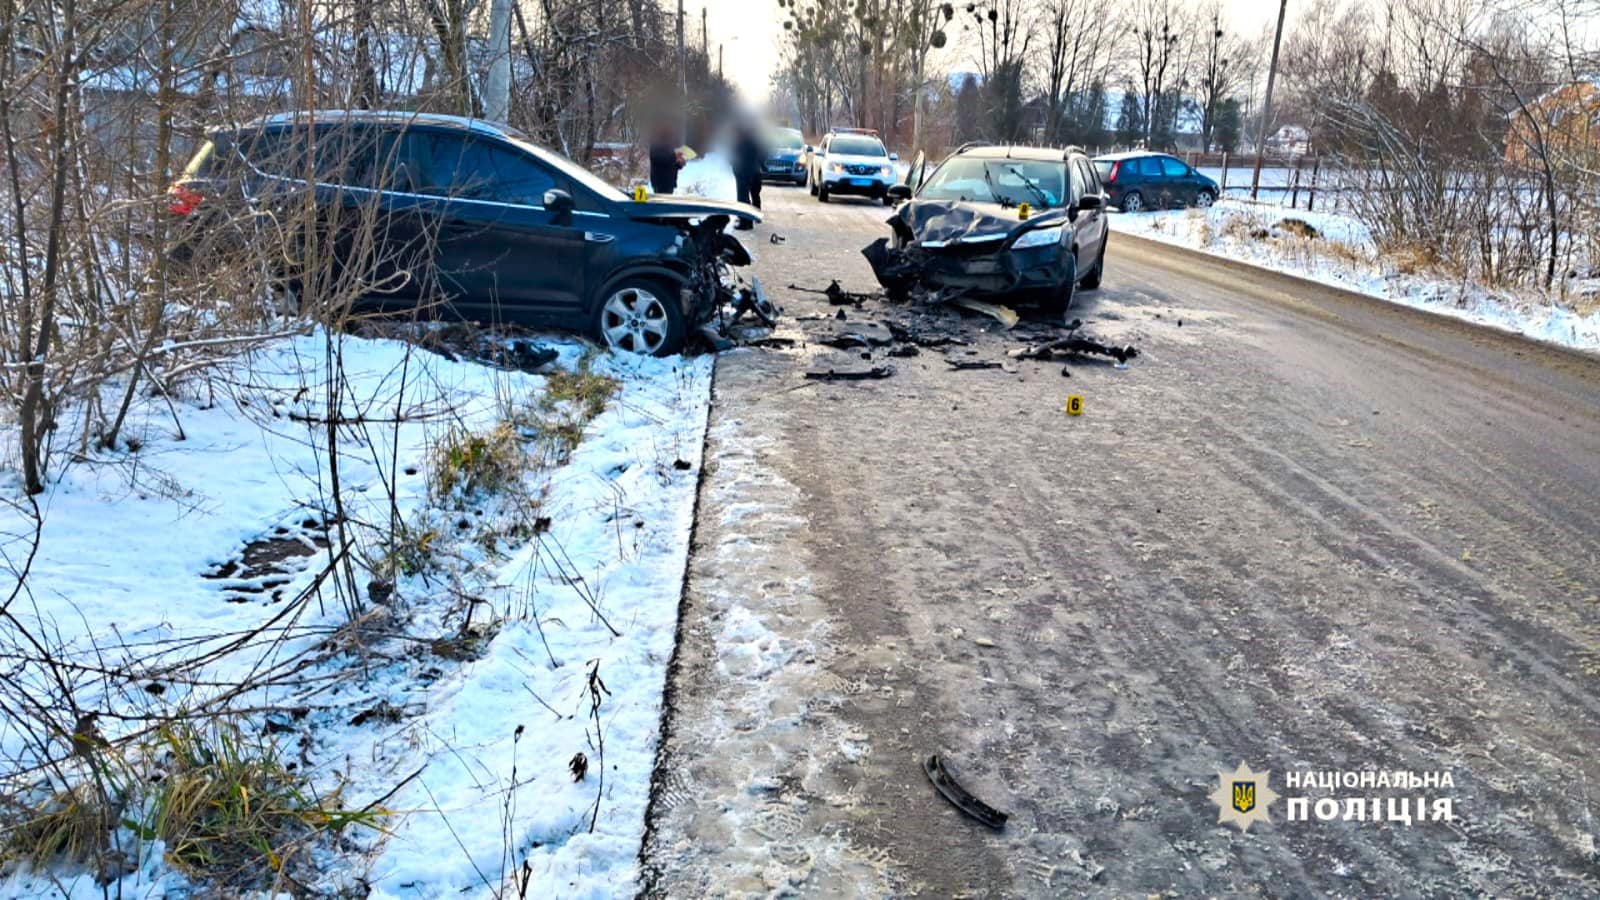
{"x":851,"y":161}
{"x":786,"y":150}
{"x":1023,"y":222}
{"x":419,"y":208}
{"x":1138,"y":180}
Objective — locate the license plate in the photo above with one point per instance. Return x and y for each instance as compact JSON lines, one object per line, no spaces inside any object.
{"x":861,"y":182}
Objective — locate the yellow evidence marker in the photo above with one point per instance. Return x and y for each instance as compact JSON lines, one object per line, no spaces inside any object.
{"x":640,"y":193}
{"x":1023,"y":209}
{"x":1074,"y":405}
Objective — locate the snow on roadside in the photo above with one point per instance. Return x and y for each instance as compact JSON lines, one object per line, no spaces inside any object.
{"x":1342,"y":254}
{"x":128,"y":542}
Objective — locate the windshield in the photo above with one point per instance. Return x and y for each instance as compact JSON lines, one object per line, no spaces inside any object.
{"x":851,"y":145}
{"x":787,"y":140}
{"x":1039,"y":183}
{"x":574,"y":171}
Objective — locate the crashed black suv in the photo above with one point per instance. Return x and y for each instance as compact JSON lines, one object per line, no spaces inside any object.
{"x":1022,"y":223}
{"x":471,"y":218}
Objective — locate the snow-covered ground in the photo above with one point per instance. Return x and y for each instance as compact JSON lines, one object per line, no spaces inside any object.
{"x":1342,"y":254}
{"x":474,"y":685}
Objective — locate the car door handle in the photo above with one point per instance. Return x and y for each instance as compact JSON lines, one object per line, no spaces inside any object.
{"x":598,"y":237}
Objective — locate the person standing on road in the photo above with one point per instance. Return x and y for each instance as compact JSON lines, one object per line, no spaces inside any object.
{"x":665,"y":160}
{"x":748,"y":154}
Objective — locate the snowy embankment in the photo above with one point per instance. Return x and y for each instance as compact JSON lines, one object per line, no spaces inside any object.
{"x":1338,"y":250}
{"x":446,"y":671}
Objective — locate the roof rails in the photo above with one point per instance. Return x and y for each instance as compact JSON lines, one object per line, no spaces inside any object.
{"x":480,"y":126}
{"x":968,"y":146}
{"x":1066,"y":152}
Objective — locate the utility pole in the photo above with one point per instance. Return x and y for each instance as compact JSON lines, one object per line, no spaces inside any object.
{"x":705,"y":35}
{"x":1266,"y":104}
{"x":497,"y":103}
{"x":719,"y":61}
{"x":683,"y":83}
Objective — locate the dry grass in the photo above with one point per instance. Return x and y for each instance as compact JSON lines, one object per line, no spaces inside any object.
{"x":469,"y":463}
{"x":230,"y":812}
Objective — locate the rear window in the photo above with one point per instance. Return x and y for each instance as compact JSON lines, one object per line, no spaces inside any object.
{"x":1102,"y":167}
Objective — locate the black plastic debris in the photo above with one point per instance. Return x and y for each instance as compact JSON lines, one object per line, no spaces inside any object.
{"x":777,"y":238}
{"x":962,"y":365}
{"x":862,"y":374}
{"x":837,"y":295}
{"x":963,"y":800}
{"x":1077,"y":344}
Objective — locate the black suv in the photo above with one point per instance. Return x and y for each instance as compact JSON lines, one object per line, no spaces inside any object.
{"x":425,"y":210}
{"x":1137,"y":181}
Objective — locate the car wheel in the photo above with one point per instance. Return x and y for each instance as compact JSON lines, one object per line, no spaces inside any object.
{"x":1133,"y":202}
{"x":640,"y":316}
{"x":1204,"y":199}
{"x":1091,"y":279}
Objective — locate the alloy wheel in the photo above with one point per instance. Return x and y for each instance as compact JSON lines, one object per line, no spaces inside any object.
{"x":633,"y":320}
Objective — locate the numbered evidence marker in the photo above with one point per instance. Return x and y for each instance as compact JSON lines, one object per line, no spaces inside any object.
{"x":640,"y":194}
{"x":1074,"y":405}
{"x":1023,"y":210}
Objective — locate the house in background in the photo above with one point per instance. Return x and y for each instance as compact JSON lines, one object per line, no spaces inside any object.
{"x":1290,"y":140}
{"x":1563,"y":125}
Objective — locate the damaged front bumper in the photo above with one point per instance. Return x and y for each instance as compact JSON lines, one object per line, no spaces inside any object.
{"x":971,"y":268}
{"x":957,"y":246}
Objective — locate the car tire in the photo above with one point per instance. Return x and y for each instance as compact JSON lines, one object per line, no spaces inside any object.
{"x":640,"y":315}
{"x":1091,"y":279}
{"x":1132,"y":202}
{"x":1204,"y":198}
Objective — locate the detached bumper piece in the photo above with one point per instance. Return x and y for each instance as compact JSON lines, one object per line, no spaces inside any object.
{"x":974,"y":808}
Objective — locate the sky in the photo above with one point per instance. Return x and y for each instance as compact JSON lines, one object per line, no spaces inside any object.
{"x":751,"y":31}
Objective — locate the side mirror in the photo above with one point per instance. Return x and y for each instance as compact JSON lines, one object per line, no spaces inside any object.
{"x":1091,"y":201}
{"x":558,"y":202}
{"x":900,"y":191}
{"x":894,"y":157}
{"x":808,"y":148}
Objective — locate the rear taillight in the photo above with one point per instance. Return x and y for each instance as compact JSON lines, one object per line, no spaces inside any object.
{"x":1115,"y":168}
{"x":182,"y":200}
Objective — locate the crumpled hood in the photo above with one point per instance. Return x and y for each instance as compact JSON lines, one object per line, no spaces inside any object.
{"x":940,"y":222}
{"x":672,"y":206}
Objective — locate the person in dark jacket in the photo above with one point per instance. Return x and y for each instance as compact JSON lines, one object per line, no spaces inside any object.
{"x":748,"y":155}
{"x":665,"y":160}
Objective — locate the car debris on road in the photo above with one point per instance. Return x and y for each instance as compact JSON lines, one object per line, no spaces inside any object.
{"x":960,"y":797}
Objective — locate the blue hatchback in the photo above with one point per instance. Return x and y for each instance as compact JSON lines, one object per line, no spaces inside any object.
{"x":1138,"y":180}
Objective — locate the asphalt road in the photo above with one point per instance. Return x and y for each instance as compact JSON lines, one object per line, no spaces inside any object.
{"x":1303,"y":530}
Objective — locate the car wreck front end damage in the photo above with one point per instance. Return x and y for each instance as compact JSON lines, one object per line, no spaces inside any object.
{"x":971,"y":248}
{"x":703,"y":260}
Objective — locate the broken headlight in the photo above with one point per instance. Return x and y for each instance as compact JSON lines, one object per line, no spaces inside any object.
{"x":1039,"y":237}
